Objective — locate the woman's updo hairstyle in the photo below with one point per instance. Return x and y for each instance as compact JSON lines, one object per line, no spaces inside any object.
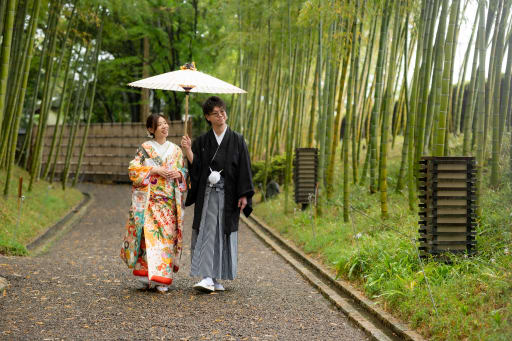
{"x":152,"y":122}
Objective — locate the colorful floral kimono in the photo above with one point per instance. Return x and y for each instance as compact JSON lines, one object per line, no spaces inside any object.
{"x":153,"y":240}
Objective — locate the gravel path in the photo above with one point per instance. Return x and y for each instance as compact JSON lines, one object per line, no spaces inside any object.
{"x":82,"y":290}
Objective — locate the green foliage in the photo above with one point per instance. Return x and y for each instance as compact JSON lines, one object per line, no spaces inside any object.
{"x":11,"y":247}
{"x":276,"y":170}
{"x":472,"y":295}
{"x":42,"y":208}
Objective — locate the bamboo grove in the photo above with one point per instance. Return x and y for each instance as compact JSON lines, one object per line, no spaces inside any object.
{"x":67,"y":65}
{"x":347,"y":77}
{"x":371,"y":71}
{"x":68,"y":62}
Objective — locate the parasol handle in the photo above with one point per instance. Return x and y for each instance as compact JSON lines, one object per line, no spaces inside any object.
{"x":186,"y":113}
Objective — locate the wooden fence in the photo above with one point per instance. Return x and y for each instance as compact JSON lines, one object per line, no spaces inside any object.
{"x":109,"y":149}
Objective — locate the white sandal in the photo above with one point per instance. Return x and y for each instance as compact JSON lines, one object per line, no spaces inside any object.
{"x":162,"y":288}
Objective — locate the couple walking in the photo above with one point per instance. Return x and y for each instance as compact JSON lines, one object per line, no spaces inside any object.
{"x":220,"y":187}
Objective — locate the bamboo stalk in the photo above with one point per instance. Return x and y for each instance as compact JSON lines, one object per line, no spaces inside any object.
{"x":26,"y":69}
{"x":446,"y":85}
{"x":91,"y":104}
{"x":379,"y":75}
{"x":6,"y":53}
{"x":75,"y":122}
{"x":61,"y":57}
{"x":498,"y":121}
{"x":481,"y":108}
{"x":36,"y":162}
{"x":387,"y":112}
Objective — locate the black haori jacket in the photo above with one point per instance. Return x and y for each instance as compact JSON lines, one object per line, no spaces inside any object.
{"x":233,"y":159}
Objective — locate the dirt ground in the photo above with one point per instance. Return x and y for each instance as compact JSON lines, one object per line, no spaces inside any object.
{"x":81,"y":289}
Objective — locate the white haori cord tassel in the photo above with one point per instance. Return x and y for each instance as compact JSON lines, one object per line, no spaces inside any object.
{"x":214,"y":176}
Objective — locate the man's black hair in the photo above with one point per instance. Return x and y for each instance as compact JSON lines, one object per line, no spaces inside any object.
{"x":211,"y":103}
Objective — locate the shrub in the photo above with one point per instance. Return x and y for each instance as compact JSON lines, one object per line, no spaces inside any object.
{"x":276,"y":171}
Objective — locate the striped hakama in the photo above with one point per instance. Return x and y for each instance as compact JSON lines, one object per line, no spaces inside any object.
{"x":213,"y":252}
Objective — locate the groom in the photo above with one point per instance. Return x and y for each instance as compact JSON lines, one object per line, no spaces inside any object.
{"x":221,"y":188}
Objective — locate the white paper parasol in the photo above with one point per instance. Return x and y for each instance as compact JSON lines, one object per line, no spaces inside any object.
{"x":187,"y":80}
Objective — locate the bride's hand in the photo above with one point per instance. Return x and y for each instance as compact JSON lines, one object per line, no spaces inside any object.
{"x":174,"y":175}
{"x":160,"y":171}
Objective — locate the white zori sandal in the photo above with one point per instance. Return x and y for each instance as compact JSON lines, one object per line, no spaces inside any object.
{"x":162,"y":288}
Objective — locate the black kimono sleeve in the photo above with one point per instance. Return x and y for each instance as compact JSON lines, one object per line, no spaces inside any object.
{"x":244,"y":182}
{"x":194,"y":169}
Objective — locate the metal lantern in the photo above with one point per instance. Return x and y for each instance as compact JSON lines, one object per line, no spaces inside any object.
{"x":447,"y":205}
{"x":305,"y":172}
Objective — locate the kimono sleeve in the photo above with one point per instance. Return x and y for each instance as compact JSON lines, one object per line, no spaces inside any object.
{"x":244,"y":180}
{"x":194,"y":168}
{"x":139,"y":174}
{"x":182,"y":183}
{"x":194,"y":172}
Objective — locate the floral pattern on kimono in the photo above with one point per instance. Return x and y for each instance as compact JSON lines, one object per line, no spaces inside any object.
{"x":153,"y":240}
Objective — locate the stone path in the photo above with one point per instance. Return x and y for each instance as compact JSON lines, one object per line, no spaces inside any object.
{"x":81,"y":289}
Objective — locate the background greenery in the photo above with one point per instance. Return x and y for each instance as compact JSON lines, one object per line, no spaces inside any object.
{"x":42,"y":208}
{"x":373,"y":84}
{"x":472,"y":295}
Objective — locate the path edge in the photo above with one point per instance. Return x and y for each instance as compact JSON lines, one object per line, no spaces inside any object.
{"x":397,"y":326}
{"x":54,"y":232}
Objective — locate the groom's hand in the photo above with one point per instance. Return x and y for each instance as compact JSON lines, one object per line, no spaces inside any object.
{"x":242,"y":202}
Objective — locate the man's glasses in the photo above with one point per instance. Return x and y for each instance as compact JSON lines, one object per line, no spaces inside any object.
{"x":218,"y":114}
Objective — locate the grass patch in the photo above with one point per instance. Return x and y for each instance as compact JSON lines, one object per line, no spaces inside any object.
{"x":473,"y":296}
{"x":42,"y":208}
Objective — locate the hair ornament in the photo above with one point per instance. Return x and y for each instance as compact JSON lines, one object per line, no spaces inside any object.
{"x":189,"y":66}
